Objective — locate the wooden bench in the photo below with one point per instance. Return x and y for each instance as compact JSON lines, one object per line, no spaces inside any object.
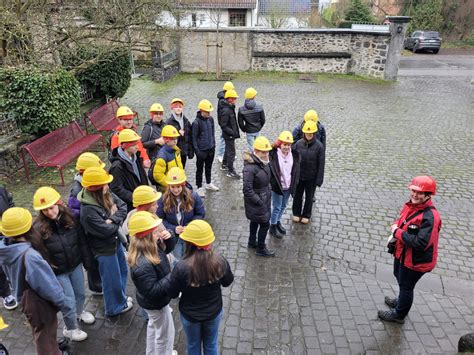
{"x":103,"y":117}
{"x":58,"y":148}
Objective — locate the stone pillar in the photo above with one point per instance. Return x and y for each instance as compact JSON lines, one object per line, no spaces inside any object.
{"x":398,"y":29}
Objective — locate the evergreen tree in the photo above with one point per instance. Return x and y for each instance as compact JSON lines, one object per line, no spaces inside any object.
{"x":359,"y":12}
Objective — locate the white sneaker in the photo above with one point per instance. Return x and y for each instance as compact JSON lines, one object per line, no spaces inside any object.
{"x":212,"y":187}
{"x":75,"y":334}
{"x":201,"y":192}
{"x":220,"y":158}
{"x":174,"y":352}
{"x":129,"y":306}
{"x":87,"y":317}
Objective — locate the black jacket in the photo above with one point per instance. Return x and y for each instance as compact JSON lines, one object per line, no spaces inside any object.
{"x":150,"y":132}
{"x":185,"y":143}
{"x":275,"y":180}
{"x":320,"y":134}
{"x":198,"y":304}
{"x":228,"y":121}
{"x":66,"y":247}
{"x":203,"y":133}
{"x":312,"y":160}
{"x":125,"y":180}
{"x":220,"y":101}
{"x":101,"y":237}
{"x":256,"y":188}
{"x":151,"y":281}
{"x":251,"y":117}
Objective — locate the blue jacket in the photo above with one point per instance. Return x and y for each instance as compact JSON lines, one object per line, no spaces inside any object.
{"x":203,"y":133}
{"x":169,"y":219}
{"x":39,"y":275}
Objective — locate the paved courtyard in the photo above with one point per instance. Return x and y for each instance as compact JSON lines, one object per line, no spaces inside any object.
{"x":322,"y":291}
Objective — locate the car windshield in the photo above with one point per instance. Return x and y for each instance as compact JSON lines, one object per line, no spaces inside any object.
{"x":431,"y":34}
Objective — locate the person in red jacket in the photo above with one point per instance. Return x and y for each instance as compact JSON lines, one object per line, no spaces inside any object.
{"x":414,"y":244}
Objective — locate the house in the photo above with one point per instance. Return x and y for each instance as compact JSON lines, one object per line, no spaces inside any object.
{"x":210,"y":14}
{"x":288,"y":13}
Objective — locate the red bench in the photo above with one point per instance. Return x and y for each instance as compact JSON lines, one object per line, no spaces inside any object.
{"x":58,"y":148}
{"x":103,"y":118}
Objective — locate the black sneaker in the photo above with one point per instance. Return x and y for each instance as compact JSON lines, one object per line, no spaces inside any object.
{"x":10,"y":303}
{"x":391,"y":316}
{"x":224,"y":167}
{"x":264,"y":252}
{"x":391,"y":302}
{"x":252,"y":245}
{"x":281,"y":228}
{"x":274,"y":232}
{"x":233,"y":175}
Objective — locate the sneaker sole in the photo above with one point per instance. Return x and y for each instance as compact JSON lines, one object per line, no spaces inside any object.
{"x":10,"y":308}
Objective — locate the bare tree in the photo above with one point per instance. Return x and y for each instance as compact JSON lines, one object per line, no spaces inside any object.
{"x":216,"y":18}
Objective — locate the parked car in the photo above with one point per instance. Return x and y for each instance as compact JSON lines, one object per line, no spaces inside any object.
{"x":423,"y":40}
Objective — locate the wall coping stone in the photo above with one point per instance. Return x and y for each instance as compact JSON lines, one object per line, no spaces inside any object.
{"x":294,"y":30}
{"x":302,"y":55}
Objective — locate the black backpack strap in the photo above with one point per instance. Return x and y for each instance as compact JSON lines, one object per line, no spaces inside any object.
{"x":414,"y":215}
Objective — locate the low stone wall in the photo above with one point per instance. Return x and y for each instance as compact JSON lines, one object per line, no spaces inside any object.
{"x":308,"y":51}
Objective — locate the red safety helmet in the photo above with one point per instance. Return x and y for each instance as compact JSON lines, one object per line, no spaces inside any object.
{"x":423,"y":184}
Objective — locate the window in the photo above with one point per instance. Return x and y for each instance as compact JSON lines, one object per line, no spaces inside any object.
{"x":237,"y":18}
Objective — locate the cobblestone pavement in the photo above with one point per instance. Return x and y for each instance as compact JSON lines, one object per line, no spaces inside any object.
{"x":321,"y":293}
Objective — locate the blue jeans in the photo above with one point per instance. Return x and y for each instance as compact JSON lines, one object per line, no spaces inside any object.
{"x":204,"y":333}
{"x":73,"y":286}
{"x":279,"y":203}
{"x":250,"y":139}
{"x":113,"y":271}
{"x":178,"y":250}
{"x":221,"y":148}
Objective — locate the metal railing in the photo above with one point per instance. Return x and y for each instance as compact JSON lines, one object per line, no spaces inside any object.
{"x":8,"y":126}
{"x":86,"y":94}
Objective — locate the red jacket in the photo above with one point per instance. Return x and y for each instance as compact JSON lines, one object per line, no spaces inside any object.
{"x":114,"y":143}
{"x":418,"y":249}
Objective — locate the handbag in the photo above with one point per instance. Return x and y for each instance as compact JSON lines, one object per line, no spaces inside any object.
{"x":37,"y":310}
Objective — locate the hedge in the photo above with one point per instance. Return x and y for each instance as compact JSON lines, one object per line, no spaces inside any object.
{"x":40,"y":101}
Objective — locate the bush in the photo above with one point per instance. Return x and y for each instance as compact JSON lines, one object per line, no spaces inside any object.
{"x":107,"y":75}
{"x":359,"y":12}
{"x":40,"y":101}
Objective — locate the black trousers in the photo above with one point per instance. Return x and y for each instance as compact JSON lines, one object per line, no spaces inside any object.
{"x":183,"y":159}
{"x":4,"y":284}
{"x":93,"y":278}
{"x":262,"y":229}
{"x":307,"y":188}
{"x":229,"y":155}
{"x":407,"y":279}
{"x":204,"y":161}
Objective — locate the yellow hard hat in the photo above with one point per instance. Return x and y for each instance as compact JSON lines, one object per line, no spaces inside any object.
{"x":263,"y":144}
{"x":3,"y":325}
{"x":250,"y":93}
{"x":228,"y":85}
{"x":175,"y":176}
{"x":142,"y":221}
{"x":16,"y":221}
{"x":156,"y":108}
{"x":286,"y":137}
{"x":144,"y":194}
{"x":88,"y":160}
{"x":311,"y":115}
{"x":45,"y":197}
{"x":95,"y":176}
{"x":310,"y":127}
{"x":124,"y":112}
{"x":230,"y":93}
{"x":128,"y":135}
{"x":177,"y":99}
{"x":169,"y":131}
{"x":198,"y":232}
{"x":205,"y":105}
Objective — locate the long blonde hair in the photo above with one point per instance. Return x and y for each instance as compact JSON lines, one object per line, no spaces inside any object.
{"x":145,"y":246}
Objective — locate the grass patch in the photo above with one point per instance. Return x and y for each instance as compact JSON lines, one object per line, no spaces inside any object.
{"x":468,"y":42}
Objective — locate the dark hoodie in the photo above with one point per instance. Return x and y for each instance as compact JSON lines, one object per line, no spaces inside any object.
{"x":312,"y":161}
{"x":221,"y":100}
{"x":251,"y":117}
{"x":256,"y":189}
{"x":228,"y":121}
{"x":38,"y":273}
{"x":203,"y":133}
{"x":152,"y":131}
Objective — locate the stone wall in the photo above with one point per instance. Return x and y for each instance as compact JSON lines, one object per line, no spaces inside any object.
{"x":310,"y":51}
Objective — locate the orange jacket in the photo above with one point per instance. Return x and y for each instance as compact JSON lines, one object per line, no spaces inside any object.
{"x":114,"y":143}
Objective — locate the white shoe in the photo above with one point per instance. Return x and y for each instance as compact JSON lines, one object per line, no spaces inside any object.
{"x":129,"y":299}
{"x":220,"y":158}
{"x":212,"y":187}
{"x":129,"y":307}
{"x":94,"y":293}
{"x":201,"y":192}
{"x":75,"y":334}
{"x":87,"y":317}
{"x":174,"y":352}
